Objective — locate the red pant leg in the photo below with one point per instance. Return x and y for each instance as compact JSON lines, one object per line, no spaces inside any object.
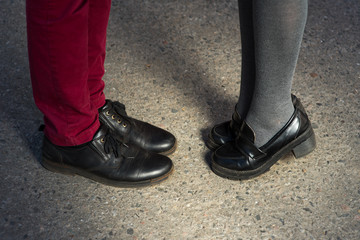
{"x":99,"y":11}
{"x":59,"y":66}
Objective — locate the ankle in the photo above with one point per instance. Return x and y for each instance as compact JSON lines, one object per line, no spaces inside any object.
{"x":266,"y":129}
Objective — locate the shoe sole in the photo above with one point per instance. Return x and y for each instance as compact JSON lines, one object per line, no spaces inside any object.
{"x":300,"y":147}
{"x":69,"y":170}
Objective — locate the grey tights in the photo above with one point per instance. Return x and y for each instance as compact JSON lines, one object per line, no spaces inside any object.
{"x":271,"y":33}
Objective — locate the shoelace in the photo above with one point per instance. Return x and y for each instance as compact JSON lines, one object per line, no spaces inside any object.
{"x":111,"y":144}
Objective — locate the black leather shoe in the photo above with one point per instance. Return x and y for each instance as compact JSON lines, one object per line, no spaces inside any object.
{"x":227,"y":131}
{"x":241,"y":159}
{"x":224,"y":132}
{"x":132,"y":131}
{"x":107,"y":161}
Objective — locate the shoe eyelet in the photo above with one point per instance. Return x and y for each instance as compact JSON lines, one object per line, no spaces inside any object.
{"x":119,"y":121}
{"x":124,"y":125}
{"x":102,"y":140}
{"x":107,"y":113}
{"x":113,"y":116}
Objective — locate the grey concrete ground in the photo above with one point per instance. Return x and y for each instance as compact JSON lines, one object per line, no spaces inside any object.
{"x":176,"y":64}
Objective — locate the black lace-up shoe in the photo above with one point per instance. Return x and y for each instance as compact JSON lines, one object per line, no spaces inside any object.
{"x":108,"y":161}
{"x":227,"y":131}
{"x":136,"y":132}
{"x":241,"y":159}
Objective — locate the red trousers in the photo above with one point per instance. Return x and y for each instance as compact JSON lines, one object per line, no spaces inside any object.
{"x":66,"y":44}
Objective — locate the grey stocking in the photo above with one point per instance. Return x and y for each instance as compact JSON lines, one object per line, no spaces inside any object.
{"x":278,"y":27}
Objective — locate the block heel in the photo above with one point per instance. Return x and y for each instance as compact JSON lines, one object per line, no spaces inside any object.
{"x":305,"y":147}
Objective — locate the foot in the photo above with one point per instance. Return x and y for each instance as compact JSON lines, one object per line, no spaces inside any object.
{"x":227,"y":131}
{"x":241,"y":159}
{"x":108,"y":161}
{"x":136,"y":132}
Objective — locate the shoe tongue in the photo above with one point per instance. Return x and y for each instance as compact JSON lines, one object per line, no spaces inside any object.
{"x":107,"y":105}
{"x":247,"y":132}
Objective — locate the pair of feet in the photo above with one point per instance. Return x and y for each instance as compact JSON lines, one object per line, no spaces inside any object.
{"x":124,"y":152}
{"x":235,"y":155}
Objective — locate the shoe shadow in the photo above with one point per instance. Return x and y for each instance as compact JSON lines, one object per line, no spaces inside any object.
{"x":207,"y":158}
{"x":207,"y":155}
{"x":19,"y":113}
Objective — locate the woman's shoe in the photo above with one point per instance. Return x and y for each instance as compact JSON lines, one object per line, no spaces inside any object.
{"x":224,"y":132}
{"x":241,"y":159}
{"x":227,"y":131}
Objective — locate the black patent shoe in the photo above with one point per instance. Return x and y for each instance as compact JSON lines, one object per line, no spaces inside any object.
{"x":133,"y":131}
{"x":227,"y":131}
{"x":224,"y":132}
{"x":106,"y":160}
{"x":241,"y":159}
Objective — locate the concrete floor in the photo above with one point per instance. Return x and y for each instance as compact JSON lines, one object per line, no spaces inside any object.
{"x":176,"y":64}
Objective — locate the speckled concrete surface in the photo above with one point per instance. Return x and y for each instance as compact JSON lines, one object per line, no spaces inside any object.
{"x":177,"y":64}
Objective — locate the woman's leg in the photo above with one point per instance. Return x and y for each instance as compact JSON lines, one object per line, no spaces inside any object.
{"x":247,"y":57}
{"x":278,"y":31}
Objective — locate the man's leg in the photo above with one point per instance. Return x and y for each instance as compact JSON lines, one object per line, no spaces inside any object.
{"x":58,"y":57}
{"x":113,"y":114}
{"x":99,"y":11}
{"x":69,"y":95}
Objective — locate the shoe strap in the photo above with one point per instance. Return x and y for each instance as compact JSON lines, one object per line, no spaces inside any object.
{"x":247,"y":147}
{"x":245,"y":144}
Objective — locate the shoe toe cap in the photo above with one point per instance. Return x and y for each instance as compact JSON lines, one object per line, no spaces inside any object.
{"x":158,"y":140}
{"x":220,"y":133}
{"x":227,"y":156}
{"x":155,"y":166}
